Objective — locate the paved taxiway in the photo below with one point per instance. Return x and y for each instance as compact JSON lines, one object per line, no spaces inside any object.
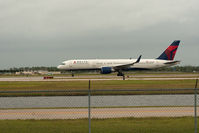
{"x":96,"y":113}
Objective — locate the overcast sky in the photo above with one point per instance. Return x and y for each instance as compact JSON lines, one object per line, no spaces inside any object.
{"x":47,"y":32}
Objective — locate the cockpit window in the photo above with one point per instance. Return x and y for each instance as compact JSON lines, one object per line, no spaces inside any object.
{"x":62,"y":63}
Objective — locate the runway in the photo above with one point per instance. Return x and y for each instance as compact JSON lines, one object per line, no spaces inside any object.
{"x":99,"y":113}
{"x":100,"y":78}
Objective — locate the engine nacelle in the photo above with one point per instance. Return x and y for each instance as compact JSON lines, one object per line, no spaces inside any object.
{"x":106,"y":70}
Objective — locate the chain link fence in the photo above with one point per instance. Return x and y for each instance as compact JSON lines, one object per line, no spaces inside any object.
{"x":134,"y":110}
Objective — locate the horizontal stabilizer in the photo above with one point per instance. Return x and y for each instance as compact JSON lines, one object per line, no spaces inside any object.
{"x":172,"y":62}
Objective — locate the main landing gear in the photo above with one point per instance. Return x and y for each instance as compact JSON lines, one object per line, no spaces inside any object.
{"x":121,"y":74}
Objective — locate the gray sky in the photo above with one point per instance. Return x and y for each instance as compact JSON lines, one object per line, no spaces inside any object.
{"x":47,"y":32}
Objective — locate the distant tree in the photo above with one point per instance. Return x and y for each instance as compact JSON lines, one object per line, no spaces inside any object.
{"x":42,"y":68}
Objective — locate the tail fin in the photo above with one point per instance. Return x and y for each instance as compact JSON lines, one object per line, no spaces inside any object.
{"x":170,"y":52}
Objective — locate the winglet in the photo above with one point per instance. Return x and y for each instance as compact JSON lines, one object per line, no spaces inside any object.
{"x":138,"y":60}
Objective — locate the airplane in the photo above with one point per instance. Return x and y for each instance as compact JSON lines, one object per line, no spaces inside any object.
{"x":107,"y":66}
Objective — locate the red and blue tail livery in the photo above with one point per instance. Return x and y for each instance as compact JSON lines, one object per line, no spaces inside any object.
{"x":170,"y":52}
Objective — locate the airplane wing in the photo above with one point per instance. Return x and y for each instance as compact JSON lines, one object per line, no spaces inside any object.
{"x":127,"y":65}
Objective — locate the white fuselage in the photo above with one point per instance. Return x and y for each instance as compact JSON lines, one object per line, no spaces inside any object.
{"x":95,"y":64}
{"x":107,"y":66}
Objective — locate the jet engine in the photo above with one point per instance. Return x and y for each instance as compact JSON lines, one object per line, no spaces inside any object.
{"x":106,"y":70}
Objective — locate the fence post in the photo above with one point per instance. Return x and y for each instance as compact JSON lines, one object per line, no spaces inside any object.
{"x":89,"y":106}
{"x":195,"y":105}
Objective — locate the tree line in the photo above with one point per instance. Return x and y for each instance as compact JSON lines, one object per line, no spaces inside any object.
{"x":21,"y":69}
{"x":53,"y":69}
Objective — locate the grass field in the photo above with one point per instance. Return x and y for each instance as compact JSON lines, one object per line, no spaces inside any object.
{"x":95,"y":85}
{"x":110,"y":84}
{"x":121,"y":125}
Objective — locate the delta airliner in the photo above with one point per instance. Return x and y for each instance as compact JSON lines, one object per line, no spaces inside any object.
{"x":106,"y":66}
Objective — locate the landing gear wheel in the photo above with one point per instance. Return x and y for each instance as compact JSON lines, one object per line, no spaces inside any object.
{"x":72,"y":74}
{"x":120,"y":74}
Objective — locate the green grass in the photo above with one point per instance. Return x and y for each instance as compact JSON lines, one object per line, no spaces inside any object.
{"x":95,"y":85}
{"x":110,"y":84}
{"x":120,"y":125}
